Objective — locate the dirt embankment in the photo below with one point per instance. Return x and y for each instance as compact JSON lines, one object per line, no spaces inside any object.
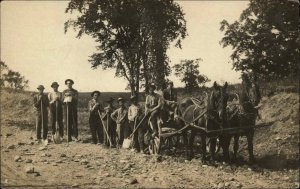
{"x":278,"y":145}
{"x":86,"y":165}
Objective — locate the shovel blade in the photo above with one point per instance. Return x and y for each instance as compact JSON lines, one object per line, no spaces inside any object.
{"x":56,"y":137}
{"x":126,"y":143}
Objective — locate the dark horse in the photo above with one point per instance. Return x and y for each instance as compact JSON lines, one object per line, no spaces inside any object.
{"x":205,"y":116}
{"x":243,"y":114}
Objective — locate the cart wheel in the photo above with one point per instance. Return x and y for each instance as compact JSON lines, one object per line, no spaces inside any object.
{"x":155,"y":143}
{"x":172,"y":141}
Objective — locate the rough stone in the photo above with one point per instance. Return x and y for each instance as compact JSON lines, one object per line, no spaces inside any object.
{"x":59,"y":161}
{"x":42,"y":148}
{"x":11,"y":147}
{"x":132,"y":181}
{"x":17,"y":158}
{"x":220,"y":185}
{"x":84,"y":162}
{"x":29,"y":170}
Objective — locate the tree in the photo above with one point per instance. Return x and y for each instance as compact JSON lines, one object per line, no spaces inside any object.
{"x":265,"y":40}
{"x":12,"y":79}
{"x":3,"y":70}
{"x":188,"y":71}
{"x":133,"y":36}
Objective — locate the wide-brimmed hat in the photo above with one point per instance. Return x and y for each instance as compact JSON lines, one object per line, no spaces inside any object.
{"x":120,"y":99}
{"x":98,"y":92}
{"x":111,"y":99}
{"x":69,"y":80}
{"x":152,"y":85}
{"x":54,"y":84}
{"x":40,"y":87}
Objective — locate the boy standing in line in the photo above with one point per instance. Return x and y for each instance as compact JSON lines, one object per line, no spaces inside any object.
{"x":109,"y":124}
{"x":134,"y":113}
{"x":94,"y":119}
{"x":70,"y":96}
{"x":119,"y":116}
{"x":41,"y":103}
{"x":55,"y":99}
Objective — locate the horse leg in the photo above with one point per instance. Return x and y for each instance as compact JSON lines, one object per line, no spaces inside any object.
{"x":185,"y":142}
{"x":212,"y":148}
{"x":250,"y":146}
{"x":203,"y":147}
{"x":225,"y":142}
{"x":191,"y":143}
{"x":235,"y":146}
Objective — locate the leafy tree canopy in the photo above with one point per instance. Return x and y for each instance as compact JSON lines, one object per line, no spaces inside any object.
{"x":133,"y":35}
{"x":265,"y":39}
{"x":188,"y":71}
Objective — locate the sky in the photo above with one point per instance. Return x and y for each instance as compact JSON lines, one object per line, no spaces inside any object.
{"x":33,"y":43}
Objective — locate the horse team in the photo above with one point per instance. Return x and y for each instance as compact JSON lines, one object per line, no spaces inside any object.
{"x":210,"y":117}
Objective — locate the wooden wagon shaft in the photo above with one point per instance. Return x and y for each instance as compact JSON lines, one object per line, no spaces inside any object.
{"x":230,"y":129}
{"x":176,"y":132}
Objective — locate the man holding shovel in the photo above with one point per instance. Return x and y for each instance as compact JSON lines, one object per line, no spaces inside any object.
{"x":134,"y":114}
{"x":70,"y":96}
{"x":120,"y":117}
{"x":94,"y":119}
{"x":109,"y":124}
{"x":56,"y":110}
{"x":41,"y":103}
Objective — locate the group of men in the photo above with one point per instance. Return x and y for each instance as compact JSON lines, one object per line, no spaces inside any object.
{"x":60,"y":104}
{"x":108,"y":125}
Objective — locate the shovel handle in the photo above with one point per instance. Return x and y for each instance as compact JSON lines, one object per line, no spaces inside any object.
{"x":105,"y":128}
{"x":140,"y":123}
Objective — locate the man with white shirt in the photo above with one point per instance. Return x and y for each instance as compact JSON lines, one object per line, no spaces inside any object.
{"x":134,"y":113}
{"x":56,"y":108}
{"x":70,"y":99}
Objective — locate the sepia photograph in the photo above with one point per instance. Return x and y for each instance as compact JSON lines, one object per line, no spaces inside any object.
{"x":149,"y":94}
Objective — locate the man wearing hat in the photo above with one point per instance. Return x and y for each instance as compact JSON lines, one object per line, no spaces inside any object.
{"x":94,"y":119}
{"x":109,"y":123}
{"x":134,"y":116}
{"x":152,"y":106}
{"x":120,"y":117}
{"x":55,"y":99}
{"x":170,"y":96}
{"x":41,"y":103}
{"x":70,"y":99}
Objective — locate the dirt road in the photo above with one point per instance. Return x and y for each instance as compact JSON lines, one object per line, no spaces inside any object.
{"x":86,"y":165}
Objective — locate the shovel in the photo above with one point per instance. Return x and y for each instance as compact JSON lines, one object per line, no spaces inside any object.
{"x":42,"y":116}
{"x":56,"y":137}
{"x":67,"y":124}
{"x":128,"y":141}
{"x":110,"y":144}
